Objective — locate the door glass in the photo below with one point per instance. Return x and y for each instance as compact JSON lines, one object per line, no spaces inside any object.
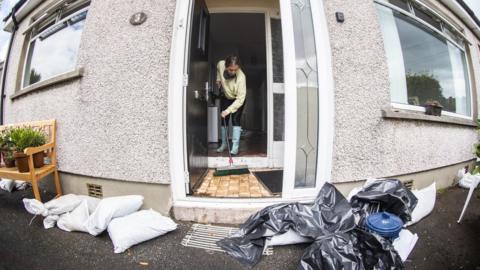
{"x":307,"y":94}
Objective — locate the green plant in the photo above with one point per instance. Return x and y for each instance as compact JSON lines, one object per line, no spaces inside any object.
{"x":8,"y":156}
{"x":6,"y":145}
{"x":24,"y":137}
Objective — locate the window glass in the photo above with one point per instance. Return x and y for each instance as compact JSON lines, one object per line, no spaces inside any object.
{"x":307,"y":95}
{"x":424,"y":64}
{"x":54,"y":50}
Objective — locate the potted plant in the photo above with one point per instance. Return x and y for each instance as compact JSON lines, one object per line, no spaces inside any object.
{"x":433,"y":107}
{"x":6,"y":148}
{"x":23,"y":138}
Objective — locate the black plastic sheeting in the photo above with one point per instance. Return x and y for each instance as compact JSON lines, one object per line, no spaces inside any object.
{"x":387,"y":195}
{"x":330,"y":222}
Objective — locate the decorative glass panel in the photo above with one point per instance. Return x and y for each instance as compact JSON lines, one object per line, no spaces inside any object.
{"x":307,"y":95}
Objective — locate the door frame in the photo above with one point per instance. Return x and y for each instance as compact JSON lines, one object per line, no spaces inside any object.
{"x":176,"y":110}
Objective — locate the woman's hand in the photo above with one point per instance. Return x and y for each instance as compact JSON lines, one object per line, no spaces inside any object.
{"x":218,"y":84}
{"x":224,"y":114}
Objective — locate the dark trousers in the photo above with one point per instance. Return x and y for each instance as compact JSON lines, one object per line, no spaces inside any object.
{"x":236,"y":116}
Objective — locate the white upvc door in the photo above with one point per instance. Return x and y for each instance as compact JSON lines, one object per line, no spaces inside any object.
{"x":308,"y":98}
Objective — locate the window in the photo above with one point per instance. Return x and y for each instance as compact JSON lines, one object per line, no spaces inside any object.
{"x":54,"y":42}
{"x":425,"y":63}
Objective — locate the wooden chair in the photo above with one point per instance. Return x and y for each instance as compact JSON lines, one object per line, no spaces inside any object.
{"x":35,"y":175}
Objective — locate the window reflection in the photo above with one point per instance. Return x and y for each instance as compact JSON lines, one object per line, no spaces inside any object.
{"x":423,"y":65}
{"x":54,"y":51}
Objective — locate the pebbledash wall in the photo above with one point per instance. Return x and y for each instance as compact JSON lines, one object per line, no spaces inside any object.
{"x":112,"y":122}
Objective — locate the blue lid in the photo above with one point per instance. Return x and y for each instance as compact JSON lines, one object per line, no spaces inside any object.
{"x":385,"y":224}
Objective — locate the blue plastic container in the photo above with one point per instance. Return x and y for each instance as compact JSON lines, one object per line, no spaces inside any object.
{"x":385,"y":224}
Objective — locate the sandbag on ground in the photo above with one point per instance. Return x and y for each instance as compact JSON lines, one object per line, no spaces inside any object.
{"x":110,"y":208}
{"x":76,"y":219}
{"x":426,"y":202}
{"x":7,"y":185}
{"x":57,"y":206}
{"x":138,"y":227}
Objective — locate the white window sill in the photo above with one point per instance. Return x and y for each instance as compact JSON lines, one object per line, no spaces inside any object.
{"x":402,"y":114}
{"x":68,"y":76}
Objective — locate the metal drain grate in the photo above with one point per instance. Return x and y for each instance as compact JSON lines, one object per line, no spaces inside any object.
{"x":95,"y":190}
{"x":205,"y":237}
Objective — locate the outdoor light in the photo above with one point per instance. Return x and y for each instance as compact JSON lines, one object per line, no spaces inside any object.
{"x":340,"y":17}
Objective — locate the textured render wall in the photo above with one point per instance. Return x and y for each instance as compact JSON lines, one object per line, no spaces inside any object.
{"x":365,"y":144}
{"x":113,"y":122}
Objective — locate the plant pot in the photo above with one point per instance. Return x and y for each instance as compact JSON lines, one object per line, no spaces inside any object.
{"x":21,"y":160}
{"x":38,"y":160}
{"x":433,"y":110}
{"x":9,"y":163}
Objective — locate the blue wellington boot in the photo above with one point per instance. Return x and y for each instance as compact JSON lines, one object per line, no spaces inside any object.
{"x":223,"y":133}
{"x":237,"y":130}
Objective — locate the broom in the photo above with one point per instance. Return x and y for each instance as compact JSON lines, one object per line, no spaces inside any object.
{"x":231,"y":169}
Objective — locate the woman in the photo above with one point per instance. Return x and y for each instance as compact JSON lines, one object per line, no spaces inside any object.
{"x":234,"y":84}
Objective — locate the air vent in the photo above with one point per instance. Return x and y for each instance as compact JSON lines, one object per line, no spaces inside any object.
{"x":95,"y":190}
{"x":409,"y":184}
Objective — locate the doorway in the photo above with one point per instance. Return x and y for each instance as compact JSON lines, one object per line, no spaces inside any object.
{"x":214,"y":36}
{"x":305,"y":103}
{"x":241,"y":34}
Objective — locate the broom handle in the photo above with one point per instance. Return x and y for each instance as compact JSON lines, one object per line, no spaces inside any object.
{"x":230,"y":159}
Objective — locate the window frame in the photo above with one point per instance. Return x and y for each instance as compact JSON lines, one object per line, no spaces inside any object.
{"x":32,"y":35}
{"x":410,"y":14}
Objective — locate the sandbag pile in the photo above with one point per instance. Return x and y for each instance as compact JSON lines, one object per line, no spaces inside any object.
{"x":9,"y":185}
{"x":334,"y":226}
{"x":126,"y":225}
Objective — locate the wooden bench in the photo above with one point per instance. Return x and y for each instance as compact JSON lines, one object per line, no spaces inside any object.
{"x":35,"y":175}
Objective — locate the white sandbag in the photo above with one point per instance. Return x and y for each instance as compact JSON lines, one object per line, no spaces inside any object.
{"x":110,"y":208}
{"x":56,"y":206}
{"x":460,"y":174}
{"x":75,"y":220}
{"x":20,"y":185}
{"x":468,"y":180}
{"x":7,"y":185}
{"x":35,"y":207}
{"x":92,"y":202}
{"x":291,"y":237}
{"x":49,"y":221}
{"x":405,"y":243}
{"x":138,"y":227}
{"x":62,"y":204}
{"x":426,"y":203}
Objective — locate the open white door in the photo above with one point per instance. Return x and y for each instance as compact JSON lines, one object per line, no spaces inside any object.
{"x":308,"y":98}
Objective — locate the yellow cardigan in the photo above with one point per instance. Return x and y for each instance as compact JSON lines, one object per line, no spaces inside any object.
{"x":233,"y":89}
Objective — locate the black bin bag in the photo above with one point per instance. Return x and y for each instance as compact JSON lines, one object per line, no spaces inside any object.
{"x":338,"y":243}
{"x":330,"y":213}
{"x":389,"y":195}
